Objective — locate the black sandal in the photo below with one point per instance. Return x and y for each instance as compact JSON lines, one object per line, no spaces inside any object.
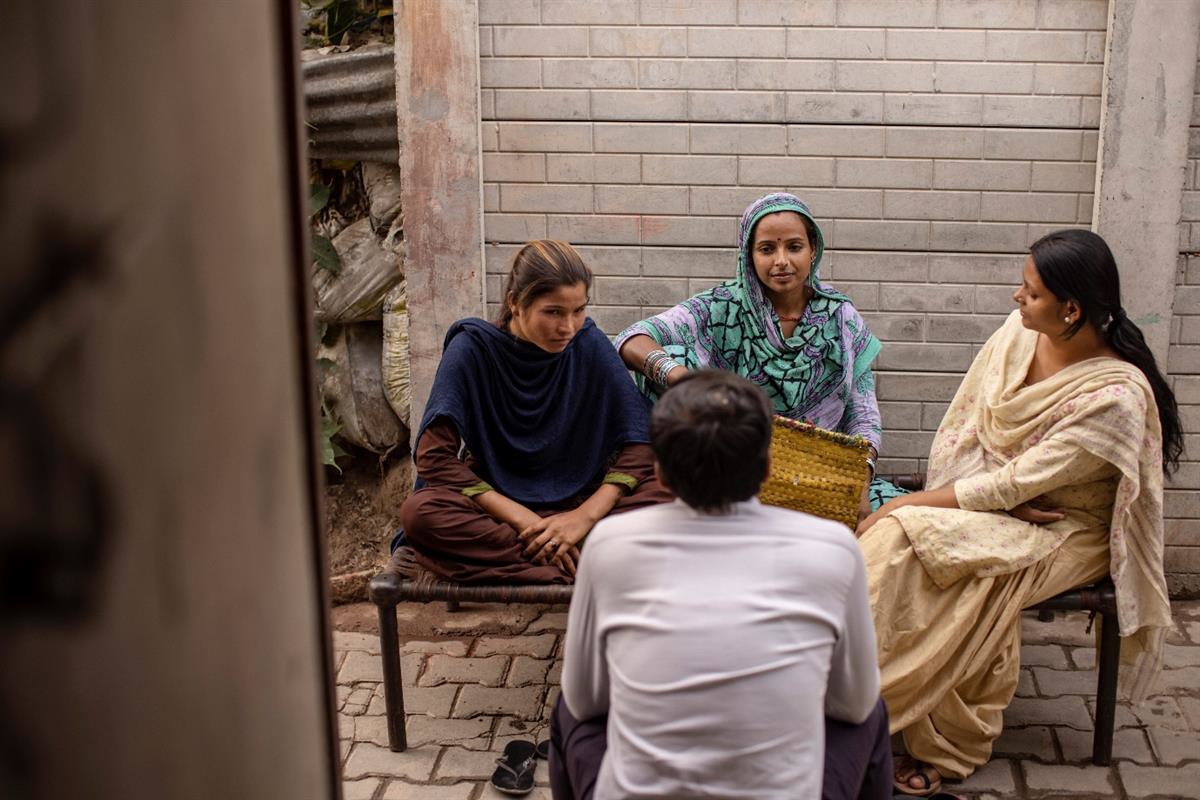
{"x":514,"y":770}
{"x":543,"y":749}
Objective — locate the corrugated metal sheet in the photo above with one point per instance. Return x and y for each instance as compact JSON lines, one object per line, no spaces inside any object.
{"x":351,"y":105}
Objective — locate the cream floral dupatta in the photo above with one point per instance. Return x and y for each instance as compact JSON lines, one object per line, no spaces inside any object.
{"x":1103,"y":406}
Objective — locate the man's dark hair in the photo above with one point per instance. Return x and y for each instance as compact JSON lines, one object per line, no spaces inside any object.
{"x":711,"y":434}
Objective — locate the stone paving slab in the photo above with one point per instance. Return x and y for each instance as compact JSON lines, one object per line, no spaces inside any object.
{"x":478,"y":678}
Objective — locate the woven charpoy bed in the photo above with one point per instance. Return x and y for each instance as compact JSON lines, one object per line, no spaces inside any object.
{"x":404,"y":580}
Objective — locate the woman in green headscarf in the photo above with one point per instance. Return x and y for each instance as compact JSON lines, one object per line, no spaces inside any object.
{"x":776,"y":324}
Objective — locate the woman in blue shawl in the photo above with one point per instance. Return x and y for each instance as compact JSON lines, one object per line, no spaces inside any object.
{"x":776,"y":324}
{"x":533,"y":433}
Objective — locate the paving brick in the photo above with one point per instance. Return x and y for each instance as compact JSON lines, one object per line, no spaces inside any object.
{"x":509,"y":12}
{"x":690,"y":231}
{"x":444,"y":669}
{"x":1070,"y":711}
{"x":369,"y":759}
{"x":547,"y":104}
{"x":568,"y":198}
{"x":883,"y":235}
{"x":537,"y":646}
{"x":1160,"y":711}
{"x":1057,"y":682}
{"x":931,"y":205}
{"x":938,"y":45}
{"x":476,"y":700}
{"x":1181,"y":678}
{"x":540,"y":41}
{"x":399,"y":790}
{"x":926,"y":142}
{"x":638,"y":104}
{"x":1073,"y":14}
{"x":828,"y":107}
{"x":1177,"y":782}
{"x":706,"y":170}
{"x":1065,"y":778}
{"x":1190,"y":706}
{"x":638,"y":42}
{"x":510,"y":72}
{"x":987,"y":14}
{"x":371,"y":729}
{"x":588,"y":12}
{"x":812,"y":43}
{"x":580,"y":168}
{"x":361,"y":666}
{"x":359,"y":790}
{"x":1035,"y":45}
{"x":473,"y":734}
{"x":785,"y":171}
{"x":461,"y":763}
{"x":1081,"y":79}
{"x":1043,"y":655}
{"x":898,"y":13}
{"x":910,"y":298}
{"x":933,"y":109}
{"x":540,"y":137}
{"x":1173,"y":747}
{"x":731,"y":139}
{"x":690,"y":73}
{"x":772,"y":12}
{"x":731,"y":106}
{"x":892,"y":173}
{"x":513,"y":227}
{"x":1040,"y":111}
{"x":598,"y":229}
{"x":963,"y":328}
{"x":695,"y":262}
{"x":994,"y":776}
{"x":835,"y":140}
{"x":549,"y":621}
{"x":645,"y":138}
{"x":1129,"y":744}
{"x":869,"y":265}
{"x":1048,"y":145}
{"x":915,"y":386}
{"x":527,"y":671}
{"x":1176,"y":656}
{"x":343,"y":640}
{"x":1032,"y":742}
{"x":966,"y":78}
{"x":433,"y":700}
{"x":986,"y":237}
{"x":639,"y":291}
{"x":736,"y":42}
{"x":926,"y":357}
{"x":896,"y":327}
{"x":672,"y":12}
{"x":1025,"y":685}
{"x":589,"y":73}
{"x":883,"y":76}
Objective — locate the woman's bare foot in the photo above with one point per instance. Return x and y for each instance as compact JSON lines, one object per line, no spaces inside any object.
{"x":911,"y":777}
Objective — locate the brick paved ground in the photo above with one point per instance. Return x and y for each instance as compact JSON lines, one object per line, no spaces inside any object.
{"x":476,"y":678}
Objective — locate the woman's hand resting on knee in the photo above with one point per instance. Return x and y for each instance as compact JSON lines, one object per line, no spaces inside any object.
{"x":554,"y":539}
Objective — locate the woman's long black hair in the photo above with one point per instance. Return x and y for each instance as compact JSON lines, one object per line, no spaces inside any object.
{"x":1077,"y":265}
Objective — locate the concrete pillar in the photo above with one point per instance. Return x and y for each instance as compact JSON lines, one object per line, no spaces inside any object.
{"x":1149,"y":72}
{"x":437,"y":110}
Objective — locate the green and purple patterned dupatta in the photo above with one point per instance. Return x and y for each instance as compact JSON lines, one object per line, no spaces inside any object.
{"x":821,"y":373}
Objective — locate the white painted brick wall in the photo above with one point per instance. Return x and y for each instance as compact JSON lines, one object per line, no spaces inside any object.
{"x":934,"y":140}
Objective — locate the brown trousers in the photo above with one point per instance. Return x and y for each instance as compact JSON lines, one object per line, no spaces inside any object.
{"x":457,"y":540}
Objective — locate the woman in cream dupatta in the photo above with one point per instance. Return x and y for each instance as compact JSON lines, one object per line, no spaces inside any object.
{"x":1046,"y":473}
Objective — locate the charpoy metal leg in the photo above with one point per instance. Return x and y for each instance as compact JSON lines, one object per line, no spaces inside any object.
{"x":393,"y":691}
{"x":1109,"y":662}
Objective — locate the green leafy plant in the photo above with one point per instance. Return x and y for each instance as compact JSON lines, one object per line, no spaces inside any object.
{"x":324,"y":254}
{"x":330,"y":451}
{"x":333,"y":19}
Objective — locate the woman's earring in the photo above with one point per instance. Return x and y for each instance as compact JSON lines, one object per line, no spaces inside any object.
{"x":1067,"y":320}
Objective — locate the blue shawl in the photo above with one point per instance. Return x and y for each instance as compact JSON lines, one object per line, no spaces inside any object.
{"x":541,"y":426}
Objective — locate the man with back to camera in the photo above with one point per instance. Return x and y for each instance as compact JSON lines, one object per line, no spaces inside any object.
{"x":716,"y":646}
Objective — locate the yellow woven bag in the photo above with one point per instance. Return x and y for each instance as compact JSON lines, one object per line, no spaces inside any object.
{"x":816,"y":471}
